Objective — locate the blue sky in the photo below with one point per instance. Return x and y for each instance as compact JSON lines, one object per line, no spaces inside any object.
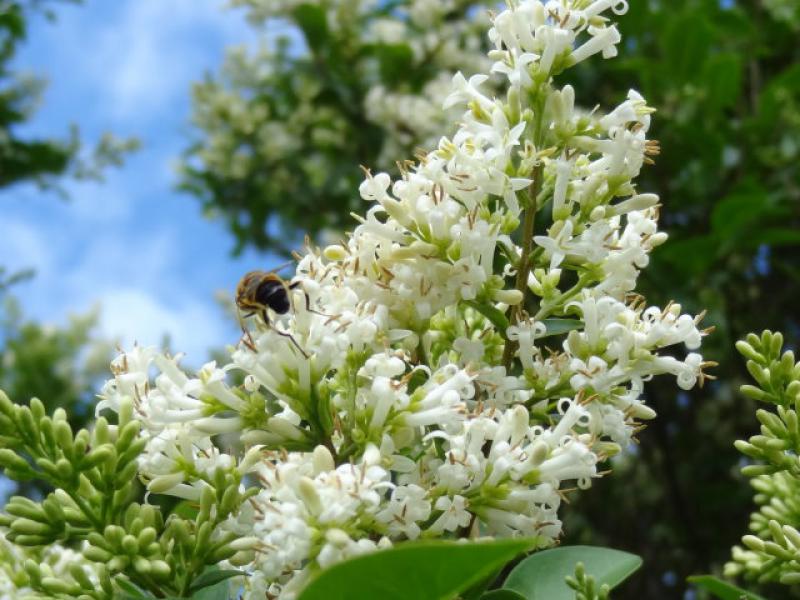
{"x":132,"y":244}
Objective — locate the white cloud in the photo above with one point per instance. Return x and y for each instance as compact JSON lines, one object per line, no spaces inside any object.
{"x":133,"y":315}
{"x":154,"y":50}
{"x":23,"y":246}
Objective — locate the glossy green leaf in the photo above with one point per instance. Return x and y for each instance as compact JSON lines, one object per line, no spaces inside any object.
{"x":722,"y":589}
{"x":495,"y":316}
{"x":541,"y":576}
{"x":212,"y":577}
{"x":430,"y":570}
{"x":502,"y":595}
{"x":131,"y":591}
{"x":559,"y":326}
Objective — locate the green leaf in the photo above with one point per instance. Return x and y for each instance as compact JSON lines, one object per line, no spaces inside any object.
{"x":495,"y":316}
{"x":541,"y":575}
{"x":314,"y":23}
{"x":686,"y":43}
{"x":395,"y":61}
{"x":722,"y":589}
{"x":502,"y":595}
{"x":130,"y":591}
{"x":429,"y":570}
{"x":186,"y":510}
{"x":723,"y":77}
{"x":559,"y":326}
{"x":740,"y":212}
{"x":213,"y":576}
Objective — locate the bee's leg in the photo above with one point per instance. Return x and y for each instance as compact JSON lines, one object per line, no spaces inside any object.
{"x":294,"y":341}
{"x":246,"y":339}
{"x":283,"y":333}
{"x":295,"y":285}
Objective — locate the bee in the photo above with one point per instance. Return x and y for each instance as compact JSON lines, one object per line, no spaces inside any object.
{"x":259,"y":291}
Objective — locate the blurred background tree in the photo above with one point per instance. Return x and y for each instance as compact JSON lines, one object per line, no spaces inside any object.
{"x":62,"y":366}
{"x":31,"y":159}
{"x":279,"y":132}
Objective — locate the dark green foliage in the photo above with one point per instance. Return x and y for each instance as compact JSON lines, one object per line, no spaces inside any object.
{"x":721,"y":589}
{"x":40,"y":160}
{"x":726,"y":83}
{"x":22,"y":159}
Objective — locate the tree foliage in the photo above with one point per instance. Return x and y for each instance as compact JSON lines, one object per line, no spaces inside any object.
{"x":42,"y":160}
{"x":281,"y":130}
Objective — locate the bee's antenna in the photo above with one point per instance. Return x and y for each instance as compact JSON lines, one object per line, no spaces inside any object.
{"x":281,"y":267}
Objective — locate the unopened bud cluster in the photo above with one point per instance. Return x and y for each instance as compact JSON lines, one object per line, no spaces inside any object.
{"x":89,"y":537}
{"x":771,"y":552}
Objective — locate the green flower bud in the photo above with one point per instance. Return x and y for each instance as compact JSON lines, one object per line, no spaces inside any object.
{"x":141,"y":565}
{"x":81,"y":443}
{"x":134,"y":449}
{"x":160,"y":570}
{"x":100,"y":431}
{"x":53,"y":509}
{"x":125,"y":412}
{"x":146,"y":537}
{"x":101,"y":455}
{"x":95,"y":554}
{"x":230,"y":500}
{"x":11,"y":460}
{"x":48,"y":466}
{"x":755,"y":393}
{"x":54,"y":585}
{"x":750,"y":353}
{"x":63,"y":434}
{"x":126,"y":475}
{"x":118,"y":564}
{"x":64,"y":468}
{"x":79,"y":575}
{"x":242,"y":557}
{"x":29,"y":540}
{"x":127,"y":435}
{"x":114,"y":534}
{"x":129,"y":545}
{"x":29,"y":527}
{"x":105,"y":580}
{"x":6,"y":406}
{"x":23,"y":507}
{"x":48,"y":434}
{"x":32,"y":570}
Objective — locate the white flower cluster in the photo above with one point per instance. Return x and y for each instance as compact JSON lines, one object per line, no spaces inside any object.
{"x":440,"y":37}
{"x":55,"y":561}
{"x":413,"y":392}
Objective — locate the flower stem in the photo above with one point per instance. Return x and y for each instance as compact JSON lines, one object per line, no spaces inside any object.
{"x":524,"y":267}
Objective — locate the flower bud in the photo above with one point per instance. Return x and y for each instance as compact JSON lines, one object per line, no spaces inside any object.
{"x":335,"y":252}
{"x":322,"y":460}
{"x":308,"y":494}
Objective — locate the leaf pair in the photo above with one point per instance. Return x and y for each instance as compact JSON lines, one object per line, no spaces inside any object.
{"x":442,"y":570}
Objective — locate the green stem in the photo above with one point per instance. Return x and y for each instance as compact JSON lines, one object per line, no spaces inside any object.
{"x":524,"y":267}
{"x":547,"y":309}
{"x":88,"y":512}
